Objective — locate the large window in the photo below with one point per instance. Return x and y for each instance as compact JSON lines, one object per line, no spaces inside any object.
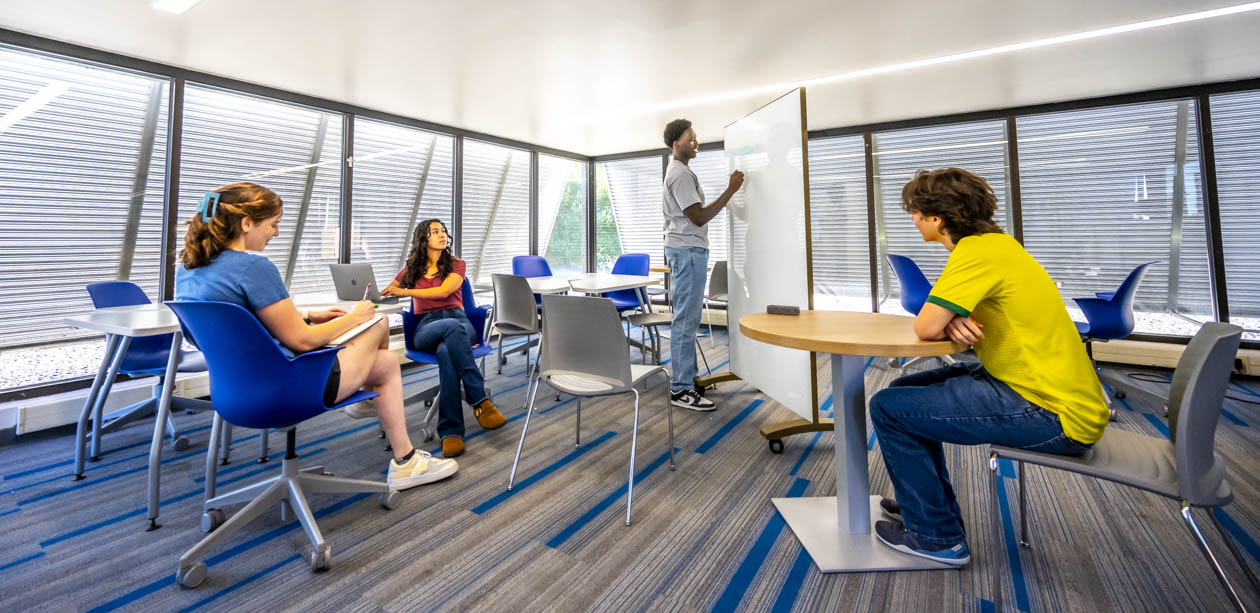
{"x":82,"y":158}
{"x":562,"y":212}
{"x":979,"y":147}
{"x":838,"y":224}
{"x":401,"y":177}
{"x":1236,"y":141}
{"x":1104,"y":190}
{"x":495,"y":209}
{"x":710,"y":168}
{"x":628,"y":210}
{"x":293,"y":150}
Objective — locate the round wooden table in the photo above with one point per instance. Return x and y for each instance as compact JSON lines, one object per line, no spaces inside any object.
{"x":837,"y":530}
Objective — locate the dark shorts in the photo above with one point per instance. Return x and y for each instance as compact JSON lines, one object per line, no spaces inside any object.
{"x":334,"y":383}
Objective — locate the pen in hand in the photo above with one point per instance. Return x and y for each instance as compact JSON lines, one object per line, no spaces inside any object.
{"x":367,"y":290}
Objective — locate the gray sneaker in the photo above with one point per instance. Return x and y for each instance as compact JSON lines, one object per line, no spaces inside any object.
{"x":689,"y":399}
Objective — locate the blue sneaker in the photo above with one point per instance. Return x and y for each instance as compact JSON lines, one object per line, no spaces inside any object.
{"x":892,"y":510}
{"x":894,"y":534}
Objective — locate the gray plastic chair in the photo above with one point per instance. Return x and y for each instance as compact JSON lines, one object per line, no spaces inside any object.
{"x":717,"y":293}
{"x":515,"y":313}
{"x":1183,"y":467}
{"x":585,"y":353}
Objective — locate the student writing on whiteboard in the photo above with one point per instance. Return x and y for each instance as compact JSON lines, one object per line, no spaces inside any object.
{"x":434,"y":278}
{"x":243,"y":217}
{"x":1034,"y":387}
{"x":687,"y":255}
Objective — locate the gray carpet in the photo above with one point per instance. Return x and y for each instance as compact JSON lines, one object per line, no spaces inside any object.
{"x":705,"y":537}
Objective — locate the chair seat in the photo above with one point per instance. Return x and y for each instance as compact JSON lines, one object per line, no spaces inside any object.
{"x":716,"y":298}
{"x":582,"y":385}
{"x":424,"y":357}
{"x":354,"y":398}
{"x":512,"y":329}
{"x":1137,"y":460}
{"x":650,"y":319}
{"x":189,"y":361}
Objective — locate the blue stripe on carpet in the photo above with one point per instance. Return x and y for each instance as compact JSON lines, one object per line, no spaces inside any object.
{"x":805,"y":454}
{"x":239,"y":584}
{"x":1246,"y":389}
{"x":730,"y":425}
{"x":21,"y":561}
{"x":1233,"y":418}
{"x":80,"y":485}
{"x":9,"y":512}
{"x":791,"y":587}
{"x":870,"y":442}
{"x":1243,"y":539}
{"x":1157,"y":422}
{"x":608,"y":501}
{"x":70,"y":462}
{"x":502,"y":497}
{"x":1012,"y":549}
{"x":744,"y":576}
{"x":987,"y":606}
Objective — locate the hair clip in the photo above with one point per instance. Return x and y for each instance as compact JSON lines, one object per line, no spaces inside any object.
{"x":208,"y":205}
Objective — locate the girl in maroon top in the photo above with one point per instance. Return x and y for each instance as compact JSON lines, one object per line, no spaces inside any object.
{"x":433,"y":278}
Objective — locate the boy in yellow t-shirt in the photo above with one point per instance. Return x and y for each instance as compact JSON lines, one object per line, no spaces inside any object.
{"x":1034,"y":387}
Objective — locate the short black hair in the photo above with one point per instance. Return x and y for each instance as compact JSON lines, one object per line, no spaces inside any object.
{"x":674,"y":131}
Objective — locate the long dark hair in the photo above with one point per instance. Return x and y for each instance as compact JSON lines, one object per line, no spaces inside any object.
{"x":418,"y":259}
{"x":207,"y":238}
{"x":961,"y":198}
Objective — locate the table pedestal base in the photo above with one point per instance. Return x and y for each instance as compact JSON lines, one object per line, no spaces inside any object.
{"x":814,"y":522}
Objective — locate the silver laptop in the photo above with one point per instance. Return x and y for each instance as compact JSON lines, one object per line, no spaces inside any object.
{"x":353,"y":280}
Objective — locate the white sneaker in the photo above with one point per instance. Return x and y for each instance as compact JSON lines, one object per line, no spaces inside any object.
{"x":689,"y":399}
{"x":422,"y":468}
{"x":361,"y":410}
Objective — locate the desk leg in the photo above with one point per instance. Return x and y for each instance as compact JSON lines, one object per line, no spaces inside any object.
{"x":80,"y":434}
{"x":159,"y":428}
{"x":98,"y":410}
{"x":837,"y":531}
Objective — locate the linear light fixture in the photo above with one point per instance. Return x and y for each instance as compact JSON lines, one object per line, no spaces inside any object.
{"x":174,"y":6}
{"x":32,"y":104}
{"x":944,"y":59}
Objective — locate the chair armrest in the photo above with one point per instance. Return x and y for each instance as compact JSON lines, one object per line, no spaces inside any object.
{"x":312,"y":366}
{"x":1106,"y":321}
{"x":1105,"y":295}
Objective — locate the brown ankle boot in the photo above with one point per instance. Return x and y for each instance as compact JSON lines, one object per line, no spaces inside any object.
{"x":488,"y":416}
{"x":452,"y":446}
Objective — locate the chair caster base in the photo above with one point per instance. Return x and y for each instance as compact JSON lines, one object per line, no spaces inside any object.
{"x":180,"y":443}
{"x":153,"y":525}
{"x":390,"y":500}
{"x":321,"y":559}
{"x":776,"y":445}
{"x":211,"y":519}
{"x":1111,"y":414}
{"x":426,"y":434}
{"x":1118,"y":393}
{"x":192,"y":576}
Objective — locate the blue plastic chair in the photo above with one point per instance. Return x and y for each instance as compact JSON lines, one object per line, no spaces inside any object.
{"x":1109,"y":316}
{"x":531,"y":266}
{"x":629,"y":264}
{"x":144,"y":356}
{"x":477,"y":317}
{"x":256,"y":386}
{"x":914,"y":290}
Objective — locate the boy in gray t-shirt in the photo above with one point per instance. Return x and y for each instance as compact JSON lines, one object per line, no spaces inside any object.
{"x":687,"y":255}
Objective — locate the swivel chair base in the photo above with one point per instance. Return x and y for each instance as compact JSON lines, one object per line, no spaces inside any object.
{"x":289,"y":490}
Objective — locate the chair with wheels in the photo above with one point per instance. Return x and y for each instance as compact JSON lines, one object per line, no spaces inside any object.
{"x":914,"y":290}
{"x":477,"y":317}
{"x":1109,"y":316}
{"x":1183,"y":467}
{"x":254,"y":385}
{"x":146,"y":355}
{"x":585,"y":353}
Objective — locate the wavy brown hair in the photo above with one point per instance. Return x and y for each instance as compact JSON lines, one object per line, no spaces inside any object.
{"x":207,"y":238}
{"x":961,"y":198}
{"x":418,"y":259}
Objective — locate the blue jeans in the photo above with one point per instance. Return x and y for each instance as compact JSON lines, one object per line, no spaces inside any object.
{"x":448,"y":334}
{"x":960,"y":404}
{"x":687,"y":269}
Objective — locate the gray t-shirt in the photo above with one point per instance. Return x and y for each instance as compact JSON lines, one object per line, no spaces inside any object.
{"x":682,"y":189}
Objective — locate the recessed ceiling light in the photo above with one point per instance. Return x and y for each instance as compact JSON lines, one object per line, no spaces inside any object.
{"x":174,"y":6}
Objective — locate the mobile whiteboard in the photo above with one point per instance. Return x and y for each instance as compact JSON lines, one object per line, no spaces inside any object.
{"x":769,"y":245}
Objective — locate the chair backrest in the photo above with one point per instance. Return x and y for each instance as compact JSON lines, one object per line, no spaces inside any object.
{"x":476,"y":316}
{"x":582,"y":335}
{"x":1111,"y":315}
{"x":717,"y":279}
{"x":630,"y":264}
{"x":253,"y":384}
{"x":914,"y":286}
{"x":1194,"y":407}
{"x":531,"y":266}
{"x":513,"y":302}
{"x":144,"y":352}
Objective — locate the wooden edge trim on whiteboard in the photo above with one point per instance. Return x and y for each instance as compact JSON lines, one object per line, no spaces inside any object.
{"x":809,"y":249}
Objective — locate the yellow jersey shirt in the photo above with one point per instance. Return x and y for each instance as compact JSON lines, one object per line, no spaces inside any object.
{"x":1030,"y":342}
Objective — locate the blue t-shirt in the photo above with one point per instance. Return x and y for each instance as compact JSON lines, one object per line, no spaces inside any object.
{"x":244,"y":279}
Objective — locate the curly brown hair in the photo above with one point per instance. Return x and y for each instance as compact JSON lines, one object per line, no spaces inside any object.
{"x":961,"y":198}
{"x":418,"y":259}
{"x":207,"y":238}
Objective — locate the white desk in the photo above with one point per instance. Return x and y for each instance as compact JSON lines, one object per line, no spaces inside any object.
{"x":555,"y":284}
{"x":120,"y":325}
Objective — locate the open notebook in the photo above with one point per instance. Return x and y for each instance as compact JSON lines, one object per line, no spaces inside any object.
{"x":353,"y":332}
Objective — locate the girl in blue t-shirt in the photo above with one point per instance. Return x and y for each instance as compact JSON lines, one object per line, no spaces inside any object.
{"x":217,"y":265}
